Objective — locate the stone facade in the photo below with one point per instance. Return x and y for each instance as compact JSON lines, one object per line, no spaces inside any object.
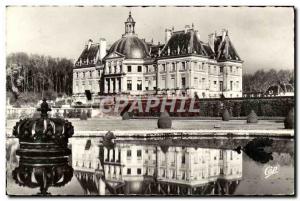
{"x":183,"y":66}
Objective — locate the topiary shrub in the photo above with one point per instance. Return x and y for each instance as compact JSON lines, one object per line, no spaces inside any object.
{"x":83,"y":116}
{"x":289,"y":120}
{"x":252,"y":117}
{"x":164,"y":121}
{"x":126,"y":116}
{"x":225,"y":115}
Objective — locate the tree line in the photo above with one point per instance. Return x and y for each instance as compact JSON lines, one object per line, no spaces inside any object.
{"x":38,"y":75}
{"x":34,"y":77}
{"x":261,"y":80}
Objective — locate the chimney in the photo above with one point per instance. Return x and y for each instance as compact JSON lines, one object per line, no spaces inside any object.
{"x":224,"y":33}
{"x":90,"y":42}
{"x":211,"y":41}
{"x":102,"y":48}
{"x":197,"y":35}
{"x":186,"y":28}
{"x":168,"y":34}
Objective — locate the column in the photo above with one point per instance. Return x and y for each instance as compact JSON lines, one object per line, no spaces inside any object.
{"x":116,"y":85}
{"x":105,"y":153}
{"x":106,"y":86}
{"x":123,"y":84}
{"x":167,"y":75}
{"x":111,"y":85}
{"x":110,"y":155}
{"x":177,"y":78}
{"x":116,"y":154}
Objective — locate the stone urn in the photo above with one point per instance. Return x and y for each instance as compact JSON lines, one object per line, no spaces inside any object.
{"x":43,"y":153}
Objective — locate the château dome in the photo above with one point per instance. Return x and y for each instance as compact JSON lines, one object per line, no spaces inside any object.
{"x":131,"y":47}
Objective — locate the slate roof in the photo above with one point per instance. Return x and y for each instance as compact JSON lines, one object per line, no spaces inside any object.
{"x":225,"y":50}
{"x":184,"y":43}
{"x":90,"y":54}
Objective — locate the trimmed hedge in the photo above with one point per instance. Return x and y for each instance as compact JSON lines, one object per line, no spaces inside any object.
{"x":76,"y":113}
{"x":289,"y":120}
{"x":164,"y":121}
{"x":242,"y":107}
{"x":226,"y":115}
{"x":237,"y":107}
{"x":252,"y":118}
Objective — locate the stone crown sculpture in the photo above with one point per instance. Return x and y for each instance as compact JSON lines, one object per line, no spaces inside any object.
{"x":43,"y":129}
{"x":43,"y":151}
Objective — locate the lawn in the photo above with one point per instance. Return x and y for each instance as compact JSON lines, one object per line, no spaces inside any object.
{"x":151,"y":124}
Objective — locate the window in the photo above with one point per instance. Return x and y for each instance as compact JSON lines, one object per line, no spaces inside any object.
{"x":237,"y":84}
{"x":173,"y":83}
{"x":173,"y":67}
{"x":208,"y":69}
{"x":91,"y":74}
{"x":139,"y":85}
{"x":231,"y":156}
{"x":139,"y":171}
{"x":215,"y":69}
{"x":99,"y":73}
{"x":139,"y":68}
{"x":128,"y":153}
{"x":195,"y":82}
{"x":183,"y":65}
{"x":163,"y":82}
{"x":215,"y":83}
{"x":128,"y":68}
{"x":163,"y":67}
{"x":139,"y":153}
{"x":221,"y":69}
{"x":129,"y":85}
{"x":231,"y":69}
{"x":231,"y":85}
{"x":183,"y":82}
{"x":146,"y":69}
{"x":221,"y":155}
{"x":83,"y":74}
{"x":109,"y":69}
{"x":221,"y":85}
{"x":83,"y":83}
{"x":77,"y":74}
{"x":128,"y":171}
{"x":183,"y":158}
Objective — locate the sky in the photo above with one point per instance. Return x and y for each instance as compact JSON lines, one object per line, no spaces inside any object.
{"x":262,"y":36}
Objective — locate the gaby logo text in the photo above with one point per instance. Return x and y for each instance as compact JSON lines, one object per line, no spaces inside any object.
{"x":271,"y":170}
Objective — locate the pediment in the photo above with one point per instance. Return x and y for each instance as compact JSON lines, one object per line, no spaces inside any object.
{"x":114,"y":55}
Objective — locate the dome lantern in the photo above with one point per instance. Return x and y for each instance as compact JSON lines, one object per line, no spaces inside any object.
{"x":129,"y":25}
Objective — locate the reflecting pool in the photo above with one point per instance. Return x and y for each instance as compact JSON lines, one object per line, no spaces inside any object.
{"x":196,"y":166}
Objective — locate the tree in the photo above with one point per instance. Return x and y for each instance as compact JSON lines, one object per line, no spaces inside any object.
{"x":38,"y":74}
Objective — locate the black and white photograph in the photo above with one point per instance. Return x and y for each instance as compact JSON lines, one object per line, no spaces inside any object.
{"x":127,"y":101}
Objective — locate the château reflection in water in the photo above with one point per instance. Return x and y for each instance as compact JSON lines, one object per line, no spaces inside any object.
{"x":156,"y":167}
{"x":130,"y":168}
